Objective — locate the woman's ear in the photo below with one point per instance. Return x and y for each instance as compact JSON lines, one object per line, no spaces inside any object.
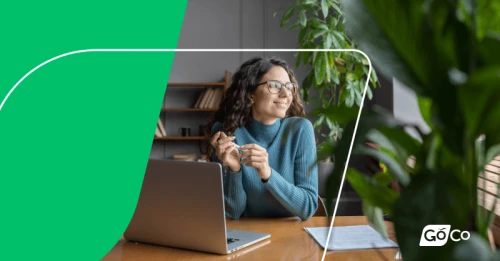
{"x":251,"y":99}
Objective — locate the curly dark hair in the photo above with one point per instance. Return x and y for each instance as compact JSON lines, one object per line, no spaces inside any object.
{"x":235,"y":109}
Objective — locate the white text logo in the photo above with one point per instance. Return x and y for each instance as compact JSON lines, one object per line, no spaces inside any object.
{"x":437,"y":235}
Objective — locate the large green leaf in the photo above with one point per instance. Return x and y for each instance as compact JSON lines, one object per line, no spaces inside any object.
{"x":448,"y":118}
{"x":286,"y":17}
{"x":341,"y":38}
{"x":319,"y":68}
{"x":492,"y":152}
{"x":319,"y":121}
{"x":431,"y":47}
{"x":371,"y":118}
{"x":302,"y":34}
{"x":319,"y":33}
{"x":316,"y":23}
{"x":380,"y":139}
{"x":332,"y":23}
{"x":371,"y":191}
{"x":390,"y":35}
{"x":387,"y":146}
{"x":306,"y":56}
{"x":342,"y":115}
{"x":324,"y":8}
{"x":298,"y":57}
{"x":375,"y":217}
{"x":302,"y":17}
{"x":306,"y":85}
{"x":476,"y":248}
{"x":327,"y":70}
{"x":327,"y":41}
{"x":369,"y":93}
{"x":395,"y":167}
{"x":479,"y":100}
{"x":451,"y":36}
{"x":310,"y":2}
{"x":293,"y":26}
{"x":334,"y":4}
{"x":488,"y":17}
{"x":404,"y":143}
{"x":488,"y":49}
{"x":335,"y":41}
{"x":433,"y":197}
{"x":395,"y":34}
{"x":425,"y":107}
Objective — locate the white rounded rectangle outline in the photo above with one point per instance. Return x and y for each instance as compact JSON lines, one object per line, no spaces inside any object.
{"x":228,"y":50}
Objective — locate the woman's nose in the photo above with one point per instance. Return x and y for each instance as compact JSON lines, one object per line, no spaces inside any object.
{"x":283,"y":92}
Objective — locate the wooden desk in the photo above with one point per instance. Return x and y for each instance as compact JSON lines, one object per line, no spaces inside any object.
{"x":288,"y":242}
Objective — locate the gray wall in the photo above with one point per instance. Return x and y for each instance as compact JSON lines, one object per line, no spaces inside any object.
{"x":219,"y":24}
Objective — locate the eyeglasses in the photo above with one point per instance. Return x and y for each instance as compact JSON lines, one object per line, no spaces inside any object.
{"x":275,"y":86}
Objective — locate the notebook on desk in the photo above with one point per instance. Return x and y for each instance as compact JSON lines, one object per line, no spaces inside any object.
{"x":350,"y":238}
{"x":181,"y":204}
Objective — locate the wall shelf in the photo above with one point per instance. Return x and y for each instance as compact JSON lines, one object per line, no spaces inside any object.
{"x":184,"y":99}
{"x":197,"y":84}
{"x":180,"y":138}
{"x":186,"y":109}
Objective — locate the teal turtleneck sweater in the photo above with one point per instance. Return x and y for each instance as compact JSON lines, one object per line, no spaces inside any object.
{"x":292,"y":189}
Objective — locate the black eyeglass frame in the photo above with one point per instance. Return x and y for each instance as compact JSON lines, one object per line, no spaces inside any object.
{"x":294,"y":88}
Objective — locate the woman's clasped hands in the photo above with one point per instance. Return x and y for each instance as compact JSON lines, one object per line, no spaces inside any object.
{"x":251,"y":155}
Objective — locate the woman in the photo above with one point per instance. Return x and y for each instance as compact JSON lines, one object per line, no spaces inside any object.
{"x":273,"y":173}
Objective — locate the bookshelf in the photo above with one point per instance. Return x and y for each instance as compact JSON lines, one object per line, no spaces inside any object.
{"x":191,"y":102}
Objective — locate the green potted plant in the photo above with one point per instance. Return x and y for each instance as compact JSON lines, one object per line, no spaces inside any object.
{"x":448,"y":53}
{"x":337,"y":78}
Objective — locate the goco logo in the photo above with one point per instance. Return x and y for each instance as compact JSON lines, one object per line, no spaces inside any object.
{"x":437,"y":235}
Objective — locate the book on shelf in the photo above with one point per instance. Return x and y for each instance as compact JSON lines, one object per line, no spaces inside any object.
{"x":162,"y":128}
{"x":204,"y":98}
{"x":208,"y":99}
{"x":158,"y":132}
{"x":211,"y":99}
{"x":185,"y":157}
{"x":216,"y":98}
{"x":200,"y":97}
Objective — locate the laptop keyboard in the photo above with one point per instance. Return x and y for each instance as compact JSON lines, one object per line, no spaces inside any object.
{"x":231,"y":240}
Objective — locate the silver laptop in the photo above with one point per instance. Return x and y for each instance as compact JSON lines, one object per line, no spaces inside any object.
{"x":181,"y":205}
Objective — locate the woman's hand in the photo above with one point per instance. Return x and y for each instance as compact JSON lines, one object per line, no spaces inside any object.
{"x":225,"y":150}
{"x":255,"y":156}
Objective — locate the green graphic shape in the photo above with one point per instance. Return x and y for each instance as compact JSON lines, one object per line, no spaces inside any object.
{"x":76,"y":134}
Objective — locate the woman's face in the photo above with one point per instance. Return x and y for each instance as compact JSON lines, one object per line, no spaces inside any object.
{"x":267,"y":107}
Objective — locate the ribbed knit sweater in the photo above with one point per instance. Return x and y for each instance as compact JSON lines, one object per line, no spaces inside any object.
{"x":292,"y":188}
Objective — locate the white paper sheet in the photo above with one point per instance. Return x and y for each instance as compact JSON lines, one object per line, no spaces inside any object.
{"x":350,"y":237}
